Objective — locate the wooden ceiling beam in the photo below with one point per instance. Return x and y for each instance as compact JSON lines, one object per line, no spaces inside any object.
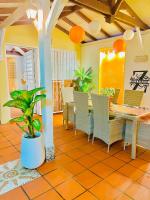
{"x":104,"y":9}
{"x":15,"y":16}
{"x":119,"y":27}
{"x":112,"y":3}
{"x":94,"y":5}
{"x":4,"y":15}
{"x":69,"y":10}
{"x":83,"y":16}
{"x":7,"y":10}
{"x":105,"y":32}
{"x":62,"y":29}
{"x":2,"y":18}
{"x":88,"y":20}
{"x":116,"y":7}
{"x":129,"y":20}
{"x":139,"y":22}
{"x":11,"y":4}
{"x":72,"y":8}
{"x":68,"y":21}
{"x":22,"y":22}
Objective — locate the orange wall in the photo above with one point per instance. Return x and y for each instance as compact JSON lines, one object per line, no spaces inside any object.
{"x":111,"y":73}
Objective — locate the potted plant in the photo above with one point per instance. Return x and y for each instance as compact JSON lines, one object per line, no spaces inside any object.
{"x":109,"y":92}
{"x":32,"y":147}
{"x":83,"y":80}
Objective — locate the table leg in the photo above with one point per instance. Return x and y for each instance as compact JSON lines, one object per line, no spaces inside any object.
{"x":134,"y":138}
{"x":66,"y":122}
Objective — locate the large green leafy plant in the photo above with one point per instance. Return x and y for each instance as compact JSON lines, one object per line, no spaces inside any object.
{"x":83,"y":80}
{"x":25,"y":100}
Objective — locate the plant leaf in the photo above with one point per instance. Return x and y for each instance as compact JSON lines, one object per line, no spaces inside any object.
{"x":28,"y":112}
{"x":39,"y":97}
{"x":18,"y":119}
{"x":22,"y":95}
{"x":34,"y":91}
{"x":17,"y":104}
{"x":36,"y":124}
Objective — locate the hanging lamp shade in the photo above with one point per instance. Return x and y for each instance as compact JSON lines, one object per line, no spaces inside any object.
{"x":77,"y":34}
{"x":119,"y":46}
{"x":128,"y":34}
{"x":94,"y":27}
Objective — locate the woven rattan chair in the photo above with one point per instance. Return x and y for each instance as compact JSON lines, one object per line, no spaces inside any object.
{"x":133,"y":97}
{"x":83,"y":117}
{"x":68,"y":111}
{"x":143,"y":137}
{"x":106,"y":129}
{"x":115,"y":97}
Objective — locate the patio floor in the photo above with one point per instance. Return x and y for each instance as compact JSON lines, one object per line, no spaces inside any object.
{"x":80,"y":171}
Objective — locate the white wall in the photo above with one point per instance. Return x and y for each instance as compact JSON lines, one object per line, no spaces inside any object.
{"x":134,"y":50}
{"x":90,"y":57}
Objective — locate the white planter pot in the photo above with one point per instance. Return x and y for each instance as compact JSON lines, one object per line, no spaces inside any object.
{"x":32,"y":152}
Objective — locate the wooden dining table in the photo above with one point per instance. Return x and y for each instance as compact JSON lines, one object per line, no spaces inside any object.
{"x":134,"y":114}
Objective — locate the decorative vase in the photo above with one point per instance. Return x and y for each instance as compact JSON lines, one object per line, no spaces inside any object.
{"x":32,"y":151}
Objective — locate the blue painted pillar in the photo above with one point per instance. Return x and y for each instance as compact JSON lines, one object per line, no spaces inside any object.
{"x":46,"y":81}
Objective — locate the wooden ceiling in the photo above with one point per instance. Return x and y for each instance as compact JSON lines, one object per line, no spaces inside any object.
{"x":115,"y":16}
{"x":12,"y":12}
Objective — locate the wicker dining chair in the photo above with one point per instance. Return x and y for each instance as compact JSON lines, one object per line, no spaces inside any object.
{"x":115,"y":97}
{"x":133,"y":97}
{"x":83,"y":116}
{"x":106,"y":129}
{"x":68,"y":111}
{"x":143,"y":136}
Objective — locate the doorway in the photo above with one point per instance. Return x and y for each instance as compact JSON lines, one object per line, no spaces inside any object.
{"x":22,"y":65}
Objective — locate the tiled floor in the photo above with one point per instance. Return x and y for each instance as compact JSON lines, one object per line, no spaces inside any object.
{"x":80,"y":171}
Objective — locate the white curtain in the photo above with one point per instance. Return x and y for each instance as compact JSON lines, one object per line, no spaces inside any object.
{"x":64,"y":64}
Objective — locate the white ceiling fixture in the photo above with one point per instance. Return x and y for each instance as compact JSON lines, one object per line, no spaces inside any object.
{"x":94,"y":27}
{"x":128,"y":34}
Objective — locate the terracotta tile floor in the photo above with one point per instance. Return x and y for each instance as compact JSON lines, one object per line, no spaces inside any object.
{"x":80,"y":171}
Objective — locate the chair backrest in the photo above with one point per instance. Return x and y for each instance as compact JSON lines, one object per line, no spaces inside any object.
{"x":67,"y":94}
{"x":101,"y":116}
{"x":81,"y":110}
{"x":133,"y":97}
{"x":115,"y":97}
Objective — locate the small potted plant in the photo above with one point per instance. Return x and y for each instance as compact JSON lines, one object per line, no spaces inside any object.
{"x":109,"y":92}
{"x":32,"y":147}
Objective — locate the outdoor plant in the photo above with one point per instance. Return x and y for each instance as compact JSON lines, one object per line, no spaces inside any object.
{"x":25,"y":100}
{"x":109,"y":92}
{"x":83,"y":80}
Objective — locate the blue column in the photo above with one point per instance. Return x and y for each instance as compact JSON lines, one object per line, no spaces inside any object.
{"x":46,"y":81}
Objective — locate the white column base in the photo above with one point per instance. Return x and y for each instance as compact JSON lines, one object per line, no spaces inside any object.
{"x":50,"y":153}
